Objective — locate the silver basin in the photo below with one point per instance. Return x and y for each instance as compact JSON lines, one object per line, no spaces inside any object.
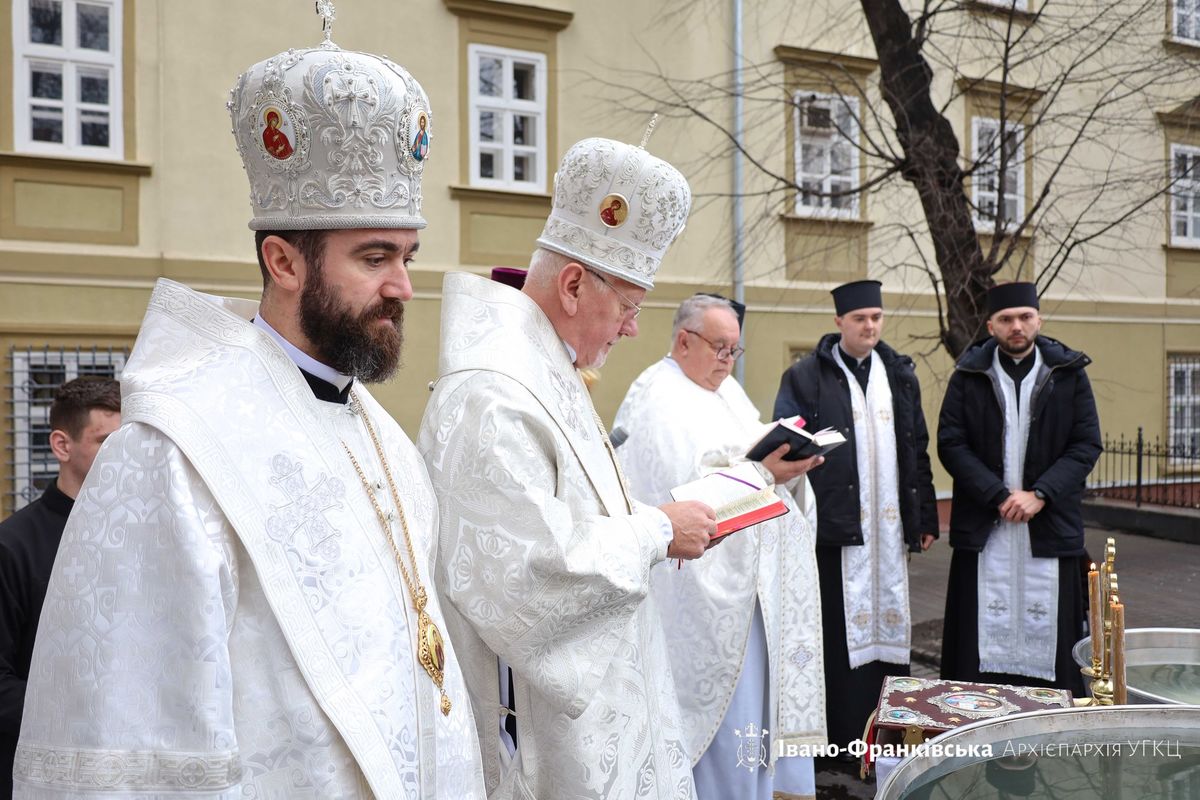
{"x":1144,"y":751}
{"x":1162,"y":664}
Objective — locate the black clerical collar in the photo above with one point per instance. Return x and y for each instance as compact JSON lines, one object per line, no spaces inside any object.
{"x":326,"y":383}
{"x":55,"y":500}
{"x":326,"y":391}
{"x":859,"y":363}
{"x":1017,"y":370}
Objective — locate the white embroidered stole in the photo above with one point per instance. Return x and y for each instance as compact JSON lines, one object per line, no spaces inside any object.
{"x":875,"y":575}
{"x":1018,"y":594}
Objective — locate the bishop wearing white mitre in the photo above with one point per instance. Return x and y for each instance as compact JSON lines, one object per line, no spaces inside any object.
{"x":544,"y":559}
{"x":242,"y":602}
{"x":743,"y":624}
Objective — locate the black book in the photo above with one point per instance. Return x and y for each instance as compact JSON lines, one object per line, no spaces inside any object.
{"x":790,"y":430}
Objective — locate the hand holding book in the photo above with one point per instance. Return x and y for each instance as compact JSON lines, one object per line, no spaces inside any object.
{"x":790,"y":431}
{"x":737,"y":494}
{"x":693,"y":523}
{"x":785,"y":471}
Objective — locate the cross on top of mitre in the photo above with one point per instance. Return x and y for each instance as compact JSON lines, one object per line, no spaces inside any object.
{"x":328,"y":14}
{"x":649,"y":131}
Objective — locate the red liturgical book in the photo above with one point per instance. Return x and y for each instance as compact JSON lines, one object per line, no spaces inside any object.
{"x":738,"y":494}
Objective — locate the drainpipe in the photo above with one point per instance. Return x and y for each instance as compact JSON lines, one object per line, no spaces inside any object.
{"x":739,"y":288}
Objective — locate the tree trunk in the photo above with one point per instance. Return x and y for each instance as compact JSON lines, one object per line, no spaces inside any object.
{"x":931,"y":154}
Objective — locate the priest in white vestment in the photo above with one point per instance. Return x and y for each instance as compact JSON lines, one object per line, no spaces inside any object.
{"x":544,"y":559}
{"x":242,"y":604}
{"x":743,"y":624}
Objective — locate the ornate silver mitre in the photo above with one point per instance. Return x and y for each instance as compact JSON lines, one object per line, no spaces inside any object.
{"x":332,"y":138}
{"x":616,"y":208}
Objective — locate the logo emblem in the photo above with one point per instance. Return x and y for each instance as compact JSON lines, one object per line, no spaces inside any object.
{"x":752,"y":752}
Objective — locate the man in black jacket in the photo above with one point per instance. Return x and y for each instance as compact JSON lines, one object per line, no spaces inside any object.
{"x":874,"y":496}
{"x":1019,"y":434}
{"x":85,"y":411}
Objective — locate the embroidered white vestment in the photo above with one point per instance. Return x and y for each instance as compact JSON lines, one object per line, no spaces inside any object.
{"x":543,"y":566}
{"x":226,"y":618}
{"x":679,"y":431}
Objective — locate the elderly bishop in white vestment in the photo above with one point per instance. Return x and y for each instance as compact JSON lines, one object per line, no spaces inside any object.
{"x":743,"y":623}
{"x":242,"y":604}
{"x":544,"y":560}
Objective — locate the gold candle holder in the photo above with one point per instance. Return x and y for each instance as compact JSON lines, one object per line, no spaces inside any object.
{"x":1120,"y":688}
{"x":1107,"y":671}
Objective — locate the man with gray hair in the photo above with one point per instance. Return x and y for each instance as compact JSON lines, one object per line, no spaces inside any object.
{"x":545,"y":558}
{"x":743,"y":623}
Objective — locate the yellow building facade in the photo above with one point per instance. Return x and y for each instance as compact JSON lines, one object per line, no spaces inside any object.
{"x":117,"y":167}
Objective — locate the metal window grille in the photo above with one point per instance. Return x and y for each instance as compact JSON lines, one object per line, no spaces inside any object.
{"x":34,"y":376}
{"x":1183,"y":403}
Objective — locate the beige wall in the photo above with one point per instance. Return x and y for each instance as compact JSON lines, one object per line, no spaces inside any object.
{"x":191,"y":206}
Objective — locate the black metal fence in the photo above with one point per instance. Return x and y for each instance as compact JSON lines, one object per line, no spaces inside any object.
{"x":1148,"y":472}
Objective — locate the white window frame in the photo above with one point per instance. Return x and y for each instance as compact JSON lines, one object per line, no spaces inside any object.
{"x":72,"y":59}
{"x":1179,"y":12}
{"x":982,"y":223}
{"x":506,"y":107}
{"x":29,"y":412}
{"x":1183,"y":425}
{"x":1185,"y":197}
{"x":806,"y":135}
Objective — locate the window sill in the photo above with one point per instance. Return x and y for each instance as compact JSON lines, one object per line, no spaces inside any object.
{"x":1004,"y":11}
{"x":1182,"y":247}
{"x":1184,"y":47}
{"x":988,"y":230}
{"x":8,"y":159}
{"x":848,"y":222}
{"x":539,"y":199}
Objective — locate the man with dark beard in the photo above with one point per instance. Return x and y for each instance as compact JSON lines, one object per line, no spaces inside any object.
{"x":242,"y":603}
{"x":1019,"y":434}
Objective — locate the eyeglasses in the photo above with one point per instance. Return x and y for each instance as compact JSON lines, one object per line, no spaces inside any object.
{"x":625,"y":301}
{"x":723,"y":351}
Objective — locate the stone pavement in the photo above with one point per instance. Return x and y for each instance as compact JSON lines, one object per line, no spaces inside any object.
{"x":1159,"y":582}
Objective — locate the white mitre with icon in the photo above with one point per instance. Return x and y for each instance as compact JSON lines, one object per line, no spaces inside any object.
{"x":616,"y":208}
{"x":331,"y":138}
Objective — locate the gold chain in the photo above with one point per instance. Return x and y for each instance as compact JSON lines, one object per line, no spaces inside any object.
{"x":430,"y":647}
{"x":417,"y":593}
{"x":612,"y":454}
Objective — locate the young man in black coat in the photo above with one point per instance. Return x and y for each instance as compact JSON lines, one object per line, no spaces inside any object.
{"x":1019,"y":434}
{"x":875,"y":508}
{"x":85,"y":411}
